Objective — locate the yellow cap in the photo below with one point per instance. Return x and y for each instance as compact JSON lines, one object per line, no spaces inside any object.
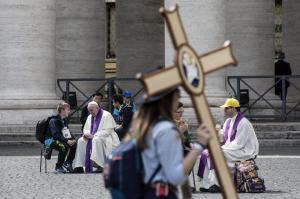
{"x":231,"y":102}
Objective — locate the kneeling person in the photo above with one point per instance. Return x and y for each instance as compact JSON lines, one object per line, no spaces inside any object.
{"x":239,"y":143}
{"x":98,"y":140}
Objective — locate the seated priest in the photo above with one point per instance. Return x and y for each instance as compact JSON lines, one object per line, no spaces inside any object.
{"x":238,"y":142}
{"x":97,"y":141}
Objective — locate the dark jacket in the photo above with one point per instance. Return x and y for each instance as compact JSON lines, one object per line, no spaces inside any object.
{"x":55,"y":127}
{"x":84,"y":115}
{"x":126,"y":114}
{"x":282,"y":68}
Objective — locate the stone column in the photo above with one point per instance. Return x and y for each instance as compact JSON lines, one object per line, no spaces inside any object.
{"x":291,"y":43}
{"x":27,"y":60}
{"x":250,"y":27}
{"x":205,"y":26}
{"x":80,"y":42}
{"x":140,"y":36}
{"x":140,"y":39}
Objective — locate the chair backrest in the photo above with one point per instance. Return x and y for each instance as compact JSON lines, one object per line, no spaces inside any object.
{"x":244,"y":97}
{"x":72,"y":99}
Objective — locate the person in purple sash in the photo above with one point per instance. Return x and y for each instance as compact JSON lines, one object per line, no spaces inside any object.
{"x":97,"y":141}
{"x":238,"y":142}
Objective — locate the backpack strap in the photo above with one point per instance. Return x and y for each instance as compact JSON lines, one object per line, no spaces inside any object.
{"x":154,"y":174}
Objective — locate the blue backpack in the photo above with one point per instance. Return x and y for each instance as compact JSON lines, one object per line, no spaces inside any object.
{"x":124,"y":172}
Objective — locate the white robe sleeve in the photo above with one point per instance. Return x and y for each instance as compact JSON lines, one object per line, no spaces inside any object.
{"x":241,"y":138}
{"x":108,"y":125}
{"x":87,"y":125}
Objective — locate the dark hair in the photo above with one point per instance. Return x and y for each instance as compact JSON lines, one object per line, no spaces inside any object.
{"x":98,"y":94}
{"x":238,"y":109}
{"x":148,"y":113}
{"x":180,"y":104}
{"x":118,"y":98}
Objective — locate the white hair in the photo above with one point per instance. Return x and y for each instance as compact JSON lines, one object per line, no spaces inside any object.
{"x":92,"y":103}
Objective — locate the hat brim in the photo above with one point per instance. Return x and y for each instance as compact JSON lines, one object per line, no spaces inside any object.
{"x":223,"y":106}
{"x":143,"y":99}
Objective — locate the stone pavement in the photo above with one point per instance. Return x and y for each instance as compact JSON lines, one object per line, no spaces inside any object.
{"x":20,"y":178}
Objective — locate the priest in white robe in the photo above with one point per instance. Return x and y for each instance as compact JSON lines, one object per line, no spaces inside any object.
{"x":238,"y":142}
{"x":98,"y":140}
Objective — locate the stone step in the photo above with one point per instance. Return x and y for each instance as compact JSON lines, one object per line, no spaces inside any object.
{"x":76,"y":128}
{"x":266,"y":133}
{"x":23,"y":136}
{"x":272,"y":126}
{"x":278,"y":134}
{"x":263,"y":143}
{"x":279,"y":143}
{"x":30,"y":129}
{"x":260,"y":135}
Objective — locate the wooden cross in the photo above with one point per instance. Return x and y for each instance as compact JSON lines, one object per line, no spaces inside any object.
{"x":189,"y":71}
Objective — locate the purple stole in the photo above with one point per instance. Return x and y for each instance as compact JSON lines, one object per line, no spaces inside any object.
{"x":205,"y":154}
{"x":94,"y":127}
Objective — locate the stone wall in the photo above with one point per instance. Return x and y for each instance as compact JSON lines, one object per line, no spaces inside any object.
{"x":27,"y":60}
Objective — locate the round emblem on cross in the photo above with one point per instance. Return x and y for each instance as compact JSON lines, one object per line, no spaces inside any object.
{"x":190,"y":69}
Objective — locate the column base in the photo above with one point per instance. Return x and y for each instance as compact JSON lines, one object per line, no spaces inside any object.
{"x":20,"y":112}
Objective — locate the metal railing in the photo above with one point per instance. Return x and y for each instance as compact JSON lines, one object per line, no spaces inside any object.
{"x":111,"y":83}
{"x":282,"y":112}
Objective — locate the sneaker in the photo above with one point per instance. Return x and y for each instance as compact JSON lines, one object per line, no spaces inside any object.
{"x":212,"y":189}
{"x":78,"y":170}
{"x":60,"y":170}
{"x":68,"y":166}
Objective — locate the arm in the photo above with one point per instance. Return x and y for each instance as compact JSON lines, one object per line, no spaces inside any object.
{"x":170,"y":155}
{"x":54,"y":128}
{"x":104,"y":132}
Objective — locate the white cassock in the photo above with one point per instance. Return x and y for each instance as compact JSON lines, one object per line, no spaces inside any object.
{"x":104,"y":141}
{"x":245,"y":146}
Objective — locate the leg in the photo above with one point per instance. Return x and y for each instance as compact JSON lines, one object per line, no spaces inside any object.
{"x":72,"y":152}
{"x":62,"y":149}
{"x":41,"y":159}
{"x":79,"y":160}
{"x":45,"y":165}
{"x":99,"y":151}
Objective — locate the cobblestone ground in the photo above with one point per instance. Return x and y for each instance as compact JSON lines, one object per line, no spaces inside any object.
{"x":20,"y":178}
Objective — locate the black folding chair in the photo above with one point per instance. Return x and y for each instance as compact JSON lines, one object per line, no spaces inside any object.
{"x":41,"y":159}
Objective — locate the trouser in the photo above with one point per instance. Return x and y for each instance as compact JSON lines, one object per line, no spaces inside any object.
{"x":281,"y":93}
{"x":63,"y":148}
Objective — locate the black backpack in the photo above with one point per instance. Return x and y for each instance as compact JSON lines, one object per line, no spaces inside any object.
{"x":41,"y":129}
{"x":124,"y":172}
